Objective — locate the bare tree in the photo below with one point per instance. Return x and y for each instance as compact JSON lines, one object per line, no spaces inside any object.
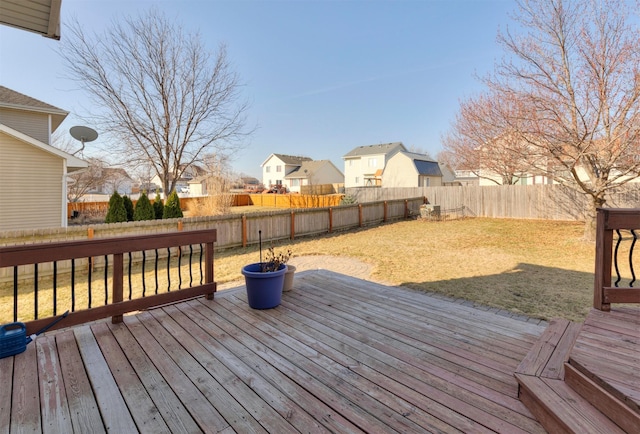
{"x":162,"y":98}
{"x":483,"y":142}
{"x":575,"y":68}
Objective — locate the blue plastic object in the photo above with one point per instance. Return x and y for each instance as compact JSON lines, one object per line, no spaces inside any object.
{"x":264,"y":290}
{"x":13,"y":339}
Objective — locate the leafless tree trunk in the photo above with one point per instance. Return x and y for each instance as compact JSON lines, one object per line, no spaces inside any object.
{"x":576,"y":68}
{"x":159,"y":96}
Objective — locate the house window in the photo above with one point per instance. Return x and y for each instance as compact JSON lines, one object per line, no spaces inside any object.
{"x":357,"y":180}
{"x":278,"y":168}
{"x":426,"y":182}
{"x":295,"y":183}
{"x":373,"y":162}
{"x":350,"y":163}
{"x":268,"y":169}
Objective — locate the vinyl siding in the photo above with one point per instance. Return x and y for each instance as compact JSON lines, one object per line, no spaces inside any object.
{"x":32,"y":124}
{"x":31,"y":186}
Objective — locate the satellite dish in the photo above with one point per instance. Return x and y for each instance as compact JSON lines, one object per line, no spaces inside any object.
{"x":84,"y":134}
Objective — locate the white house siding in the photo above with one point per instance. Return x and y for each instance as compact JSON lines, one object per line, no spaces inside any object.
{"x":358,"y":170}
{"x":33,"y":124}
{"x":400,"y":171}
{"x":29,"y":205}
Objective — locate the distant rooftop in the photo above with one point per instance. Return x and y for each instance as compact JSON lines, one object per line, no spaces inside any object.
{"x":382,"y":148}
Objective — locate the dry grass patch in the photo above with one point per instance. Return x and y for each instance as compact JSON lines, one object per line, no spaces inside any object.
{"x":538,"y":268}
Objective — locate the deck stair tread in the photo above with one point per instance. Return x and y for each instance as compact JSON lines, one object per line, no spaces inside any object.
{"x":562,"y":398}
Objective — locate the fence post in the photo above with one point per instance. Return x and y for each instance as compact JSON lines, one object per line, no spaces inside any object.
{"x":180,"y":226}
{"x":360,"y":215}
{"x":330,"y":220}
{"x":406,"y":209}
{"x":244,"y":230}
{"x":384,"y":219}
{"x":293,"y":224}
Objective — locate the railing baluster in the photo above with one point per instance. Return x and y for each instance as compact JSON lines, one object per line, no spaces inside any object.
{"x":201,"y":253}
{"x":179,"y":267}
{"x":130,"y":288}
{"x":89,"y":280}
{"x":144,"y":260}
{"x":73,"y":285}
{"x":156,"y":271}
{"x":615,"y":258}
{"x":35,"y":291}
{"x":168,"y":269}
{"x":106,"y":280}
{"x":633,"y":243}
{"x":15,"y":293}
{"x":190,"y":259}
{"x":55,"y":287}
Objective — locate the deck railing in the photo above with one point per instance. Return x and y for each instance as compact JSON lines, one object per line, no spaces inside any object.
{"x":156,"y":269}
{"x":616,"y":235}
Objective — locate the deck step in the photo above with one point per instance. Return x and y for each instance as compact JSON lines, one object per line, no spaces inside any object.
{"x":560,"y":409}
{"x":547,"y":357}
{"x":623,"y":412}
{"x":556,"y":405}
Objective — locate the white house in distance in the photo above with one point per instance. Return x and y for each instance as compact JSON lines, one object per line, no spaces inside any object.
{"x":277,"y":166}
{"x":315,"y":172}
{"x":363,"y":166}
{"x":33,"y":174}
{"x":408,"y":169}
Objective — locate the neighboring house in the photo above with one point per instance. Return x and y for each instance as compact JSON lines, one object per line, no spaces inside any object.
{"x":33,"y":174}
{"x":112,"y":180}
{"x":363,"y":166}
{"x":313,"y":173}
{"x":191,"y":172}
{"x":408,"y":169}
{"x":277,"y":166}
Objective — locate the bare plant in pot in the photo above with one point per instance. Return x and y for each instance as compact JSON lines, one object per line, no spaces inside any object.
{"x":264,"y":280}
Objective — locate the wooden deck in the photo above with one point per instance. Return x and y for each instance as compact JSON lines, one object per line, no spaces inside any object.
{"x":339,"y":355}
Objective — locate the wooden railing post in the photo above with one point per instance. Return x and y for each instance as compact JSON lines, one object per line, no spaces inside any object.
{"x":293,"y":225}
{"x":118,"y":279}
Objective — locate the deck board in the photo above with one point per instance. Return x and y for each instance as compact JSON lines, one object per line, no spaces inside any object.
{"x":338,"y":355}
{"x":607,"y":351}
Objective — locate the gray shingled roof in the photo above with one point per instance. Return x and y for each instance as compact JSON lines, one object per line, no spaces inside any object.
{"x":11,"y":98}
{"x":292,"y":159}
{"x":310,"y":166}
{"x":383,"y":148}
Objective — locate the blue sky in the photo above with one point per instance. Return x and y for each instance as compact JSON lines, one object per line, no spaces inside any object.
{"x":321,"y":77}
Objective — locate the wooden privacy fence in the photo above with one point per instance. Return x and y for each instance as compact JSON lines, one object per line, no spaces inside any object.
{"x":545,"y":202}
{"x":233,"y":230}
{"x":295,"y":200}
{"x":623,"y":223}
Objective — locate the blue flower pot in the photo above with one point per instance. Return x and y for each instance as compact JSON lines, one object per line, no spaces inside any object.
{"x":264,"y":290}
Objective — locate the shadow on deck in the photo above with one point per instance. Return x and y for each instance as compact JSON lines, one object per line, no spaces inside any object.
{"x":338,"y":355}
